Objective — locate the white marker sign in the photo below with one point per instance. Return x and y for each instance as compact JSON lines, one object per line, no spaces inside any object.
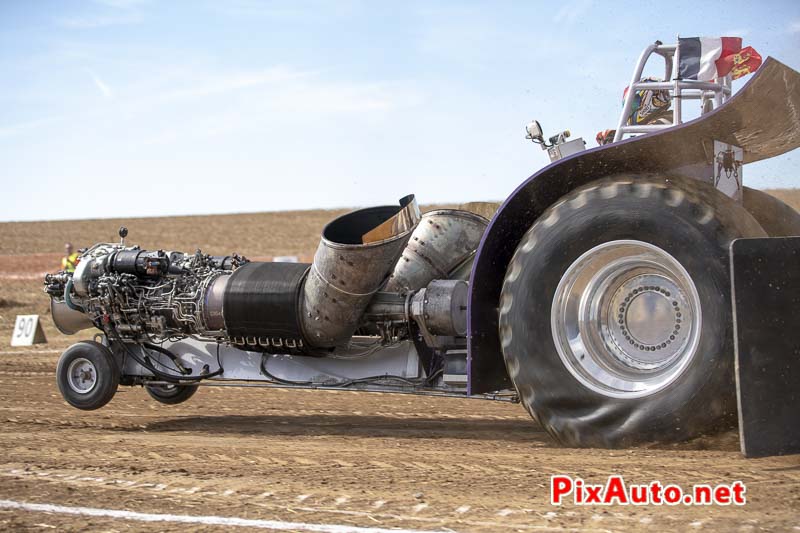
{"x":27,"y":331}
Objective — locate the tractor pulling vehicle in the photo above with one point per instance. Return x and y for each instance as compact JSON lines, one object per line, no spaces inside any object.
{"x":599,"y":295}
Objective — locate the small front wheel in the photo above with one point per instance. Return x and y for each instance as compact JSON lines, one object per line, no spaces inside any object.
{"x":171,"y":394}
{"x":87,"y":375}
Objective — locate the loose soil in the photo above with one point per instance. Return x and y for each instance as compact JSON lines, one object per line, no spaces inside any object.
{"x":353,"y":458}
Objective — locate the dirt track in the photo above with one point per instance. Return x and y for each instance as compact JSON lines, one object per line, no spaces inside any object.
{"x":341,"y":458}
{"x":371,"y":460}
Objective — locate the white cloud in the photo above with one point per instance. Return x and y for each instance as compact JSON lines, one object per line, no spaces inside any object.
{"x":87,"y":22}
{"x":203,"y":102}
{"x":460,"y":35}
{"x":295,"y":10}
{"x":346,"y":98}
{"x":22,"y":127}
{"x":794,"y":26}
{"x":121,"y":4}
{"x":111,"y":13}
{"x":223,"y":82}
{"x":100,"y":84}
{"x":572,"y":11}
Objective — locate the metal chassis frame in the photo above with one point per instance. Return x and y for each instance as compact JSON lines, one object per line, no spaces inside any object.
{"x":243,"y":369}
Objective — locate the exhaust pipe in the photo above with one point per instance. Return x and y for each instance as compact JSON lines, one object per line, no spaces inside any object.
{"x":440,"y":246}
{"x":354,"y":257}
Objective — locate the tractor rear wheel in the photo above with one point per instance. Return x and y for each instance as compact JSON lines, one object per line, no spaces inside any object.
{"x":777,"y":218}
{"x":615,"y":313}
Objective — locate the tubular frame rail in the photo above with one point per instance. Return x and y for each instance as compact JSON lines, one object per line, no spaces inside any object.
{"x":679,"y":89}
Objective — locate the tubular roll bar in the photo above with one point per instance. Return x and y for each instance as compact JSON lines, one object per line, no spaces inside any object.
{"x":720,"y":90}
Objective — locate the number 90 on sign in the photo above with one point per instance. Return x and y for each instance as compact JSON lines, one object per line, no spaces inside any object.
{"x":27,"y":331}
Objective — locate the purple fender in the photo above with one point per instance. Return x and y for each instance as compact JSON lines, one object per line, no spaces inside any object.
{"x":763,"y":118}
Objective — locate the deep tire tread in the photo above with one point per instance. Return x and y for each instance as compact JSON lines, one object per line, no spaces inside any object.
{"x":695,"y":200}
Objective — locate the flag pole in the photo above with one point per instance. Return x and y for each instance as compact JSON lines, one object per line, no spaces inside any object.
{"x":676,"y":96}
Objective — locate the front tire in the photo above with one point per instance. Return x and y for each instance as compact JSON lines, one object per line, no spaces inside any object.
{"x":615,"y":313}
{"x":87,"y":375}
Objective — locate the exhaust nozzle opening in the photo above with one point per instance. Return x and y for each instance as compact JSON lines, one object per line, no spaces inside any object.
{"x":353,"y":259}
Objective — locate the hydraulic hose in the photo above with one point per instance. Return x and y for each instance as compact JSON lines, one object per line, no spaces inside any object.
{"x":158,"y":373}
{"x":177,"y":363}
{"x":68,"y":299}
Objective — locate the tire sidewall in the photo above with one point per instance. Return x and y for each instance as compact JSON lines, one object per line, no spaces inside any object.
{"x":108,"y":375}
{"x":699,"y":398}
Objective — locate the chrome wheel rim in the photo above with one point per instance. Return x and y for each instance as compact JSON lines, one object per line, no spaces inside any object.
{"x":626,"y":319}
{"x":81,"y":376}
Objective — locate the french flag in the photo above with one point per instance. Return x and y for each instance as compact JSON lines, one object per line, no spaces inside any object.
{"x":706,"y":58}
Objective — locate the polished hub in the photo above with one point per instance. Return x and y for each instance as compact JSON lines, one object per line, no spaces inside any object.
{"x":647,"y":320}
{"x":626,"y":319}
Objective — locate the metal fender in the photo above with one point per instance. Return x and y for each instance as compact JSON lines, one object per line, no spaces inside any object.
{"x":763,"y":118}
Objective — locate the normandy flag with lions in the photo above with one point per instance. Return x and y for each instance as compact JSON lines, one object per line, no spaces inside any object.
{"x":709,"y":58}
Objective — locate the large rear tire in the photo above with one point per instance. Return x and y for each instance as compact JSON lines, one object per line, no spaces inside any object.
{"x":615,"y":313}
{"x":777,"y":218}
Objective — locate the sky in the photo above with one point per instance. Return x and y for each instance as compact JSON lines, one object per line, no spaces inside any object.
{"x":122,"y":108}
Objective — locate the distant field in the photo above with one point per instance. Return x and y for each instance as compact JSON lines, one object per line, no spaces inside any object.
{"x":790,"y":196}
{"x":251,"y":234}
{"x":279,"y":233}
